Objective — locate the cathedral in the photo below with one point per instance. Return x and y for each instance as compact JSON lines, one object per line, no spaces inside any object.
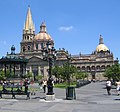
{"x":32,"y":44}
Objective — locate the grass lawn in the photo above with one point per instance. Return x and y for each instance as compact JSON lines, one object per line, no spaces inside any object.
{"x":63,"y":85}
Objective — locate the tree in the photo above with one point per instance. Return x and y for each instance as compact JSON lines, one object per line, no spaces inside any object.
{"x":113,"y":72}
{"x":2,"y":75}
{"x":81,"y":75}
{"x":56,"y":71}
{"x":29,"y":75}
{"x":66,"y":71}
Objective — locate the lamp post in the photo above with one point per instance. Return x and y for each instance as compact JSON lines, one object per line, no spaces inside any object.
{"x":49,"y":54}
{"x":68,"y":66}
{"x":70,"y":91}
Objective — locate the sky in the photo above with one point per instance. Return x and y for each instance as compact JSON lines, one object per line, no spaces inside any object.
{"x":75,"y":25}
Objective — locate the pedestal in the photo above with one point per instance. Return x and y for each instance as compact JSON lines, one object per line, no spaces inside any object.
{"x":50,"y":97}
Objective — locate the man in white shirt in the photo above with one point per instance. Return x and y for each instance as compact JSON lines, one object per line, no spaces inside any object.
{"x":44,"y":83}
{"x":108,"y":86}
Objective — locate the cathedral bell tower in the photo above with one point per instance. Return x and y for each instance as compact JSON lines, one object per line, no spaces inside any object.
{"x":28,"y":34}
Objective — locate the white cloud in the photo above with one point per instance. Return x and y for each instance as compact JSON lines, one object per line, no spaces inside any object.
{"x":65,"y":28}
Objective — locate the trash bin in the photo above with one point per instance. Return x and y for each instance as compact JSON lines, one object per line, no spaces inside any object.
{"x":70,"y":93}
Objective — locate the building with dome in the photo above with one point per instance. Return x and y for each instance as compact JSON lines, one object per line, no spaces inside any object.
{"x":32,"y":45}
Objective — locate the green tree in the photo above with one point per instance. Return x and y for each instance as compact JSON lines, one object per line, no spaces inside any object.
{"x":2,"y":75}
{"x":81,"y":75}
{"x":113,"y":72}
{"x":66,"y":71}
{"x":8,"y":74}
{"x":29,"y":75}
{"x":39,"y":77}
{"x":56,"y":71}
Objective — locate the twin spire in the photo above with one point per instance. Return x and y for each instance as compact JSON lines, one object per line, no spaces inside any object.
{"x":29,"y":26}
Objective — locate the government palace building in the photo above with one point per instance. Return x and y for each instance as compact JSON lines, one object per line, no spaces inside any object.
{"x":32,"y":45}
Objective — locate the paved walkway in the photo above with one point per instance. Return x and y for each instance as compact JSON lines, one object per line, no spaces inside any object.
{"x":90,"y":98}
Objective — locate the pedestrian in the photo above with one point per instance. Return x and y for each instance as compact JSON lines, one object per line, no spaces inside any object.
{"x":26,"y":85}
{"x":118,"y":87}
{"x":44,"y":83}
{"x":108,"y":86}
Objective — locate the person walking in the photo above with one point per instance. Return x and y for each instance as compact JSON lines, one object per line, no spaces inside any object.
{"x":44,"y":83}
{"x":118,"y":87}
{"x":108,"y":86}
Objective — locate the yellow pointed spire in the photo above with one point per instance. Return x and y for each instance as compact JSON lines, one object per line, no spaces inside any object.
{"x":29,"y":22}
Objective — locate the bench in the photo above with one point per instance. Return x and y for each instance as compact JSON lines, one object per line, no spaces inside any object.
{"x":14,"y":90}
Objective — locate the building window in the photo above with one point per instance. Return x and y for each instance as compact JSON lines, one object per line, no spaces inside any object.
{"x":27,"y":37}
{"x":37,"y":46}
{"x":93,"y":67}
{"x":108,"y":66}
{"x":103,"y":67}
{"x":24,"y":49}
{"x":88,"y":68}
{"x":98,"y":68}
{"x":83,"y":68}
{"x":78,"y":67}
{"x":28,"y":48}
{"x":42,"y":45}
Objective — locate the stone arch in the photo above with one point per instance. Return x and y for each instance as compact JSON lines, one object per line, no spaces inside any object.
{"x":88,"y":68}
{"x":107,"y":66}
{"x":83,"y":68}
{"x":78,"y":67}
{"x":103,"y":67}
{"x":93,"y":68}
{"x":98,"y":67}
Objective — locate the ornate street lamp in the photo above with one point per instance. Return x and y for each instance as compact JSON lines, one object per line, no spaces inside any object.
{"x":68,"y":56}
{"x":49,"y":54}
{"x":70,"y":91}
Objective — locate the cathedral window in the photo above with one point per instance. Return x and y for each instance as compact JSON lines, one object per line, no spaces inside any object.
{"x":28,"y":48}
{"x":42,"y":45}
{"x":24,"y":49}
{"x":27,"y":37}
{"x":36,"y":46}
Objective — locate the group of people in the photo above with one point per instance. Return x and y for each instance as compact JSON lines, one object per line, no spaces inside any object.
{"x":109,"y":86}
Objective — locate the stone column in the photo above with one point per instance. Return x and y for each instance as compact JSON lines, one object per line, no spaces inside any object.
{"x":39,"y":71}
{"x":30,"y":69}
{"x":39,"y":46}
{"x":45,"y":70}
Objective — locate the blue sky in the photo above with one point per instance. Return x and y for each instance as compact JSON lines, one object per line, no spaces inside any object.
{"x":73,"y":24}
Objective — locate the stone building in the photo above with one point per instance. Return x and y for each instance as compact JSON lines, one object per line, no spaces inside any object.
{"x":32,"y":45}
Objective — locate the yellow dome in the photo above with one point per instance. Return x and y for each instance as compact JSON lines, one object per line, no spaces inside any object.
{"x":42,"y":36}
{"x":101,"y":47}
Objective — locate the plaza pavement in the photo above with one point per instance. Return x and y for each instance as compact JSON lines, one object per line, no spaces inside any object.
{"x":90,"y":98}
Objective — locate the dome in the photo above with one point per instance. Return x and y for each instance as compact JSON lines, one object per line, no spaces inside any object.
{"x":101,"y":47}
{"x":43,"y":35}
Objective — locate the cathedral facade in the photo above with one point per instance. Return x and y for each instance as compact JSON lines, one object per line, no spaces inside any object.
{"x":32,"y":45}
